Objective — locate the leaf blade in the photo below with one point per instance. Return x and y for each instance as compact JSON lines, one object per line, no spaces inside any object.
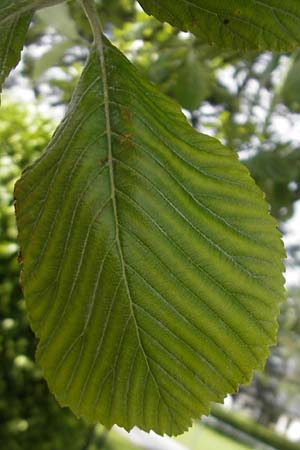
{"x":132,"y":229}
{"x":254,"y":25}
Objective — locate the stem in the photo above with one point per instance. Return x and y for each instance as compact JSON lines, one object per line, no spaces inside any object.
{"x":95,"y":23}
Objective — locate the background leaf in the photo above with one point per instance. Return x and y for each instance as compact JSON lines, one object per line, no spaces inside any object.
{"x":9,"y":9}
{"x":151,"y":267}
{"x":60,"y":17}
{"x":12,"y":40}
{"x":15,"y":19}
{"x":50,"y":59}
{"x":241,"y":24}
{"x":290,"y":92}
{"x":192,"y":83}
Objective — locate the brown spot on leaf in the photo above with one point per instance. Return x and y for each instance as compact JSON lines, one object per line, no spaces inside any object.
{"x":126,"y":114}
{"x":126,"y":137}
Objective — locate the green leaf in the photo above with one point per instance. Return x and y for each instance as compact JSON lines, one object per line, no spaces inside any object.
{"x":12,"y":40}
{"x":15,"y":19}
{"x":290,"y":91}
{"x":51,"y":58}
{"x":242,"y":24}
{"x":10,"y":9}
{"x":151,"y":267}
{"x":59,"y":18}
{"x":192,"y":83}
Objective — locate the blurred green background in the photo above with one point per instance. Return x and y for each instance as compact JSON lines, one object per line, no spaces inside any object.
{"x":251,"y":101}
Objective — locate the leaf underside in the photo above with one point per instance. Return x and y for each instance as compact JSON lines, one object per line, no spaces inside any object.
{"x":241,"y":24}
{"x":12,"y":37}
{"x":151,"y":267}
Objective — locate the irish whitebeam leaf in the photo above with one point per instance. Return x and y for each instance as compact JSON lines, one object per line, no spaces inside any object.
{"x":151,"y":267}
{"x":244,"y":24}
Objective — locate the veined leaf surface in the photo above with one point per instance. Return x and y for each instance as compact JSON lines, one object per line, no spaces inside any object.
{"x":151,"y":267}
{"x":243,"y":24}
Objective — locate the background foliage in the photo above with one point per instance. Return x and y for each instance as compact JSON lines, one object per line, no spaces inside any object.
{"x":245,"y":99}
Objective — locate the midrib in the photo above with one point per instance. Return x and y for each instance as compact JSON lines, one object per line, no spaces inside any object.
{"x":100,"y":49}
{"x":99,"y":44}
